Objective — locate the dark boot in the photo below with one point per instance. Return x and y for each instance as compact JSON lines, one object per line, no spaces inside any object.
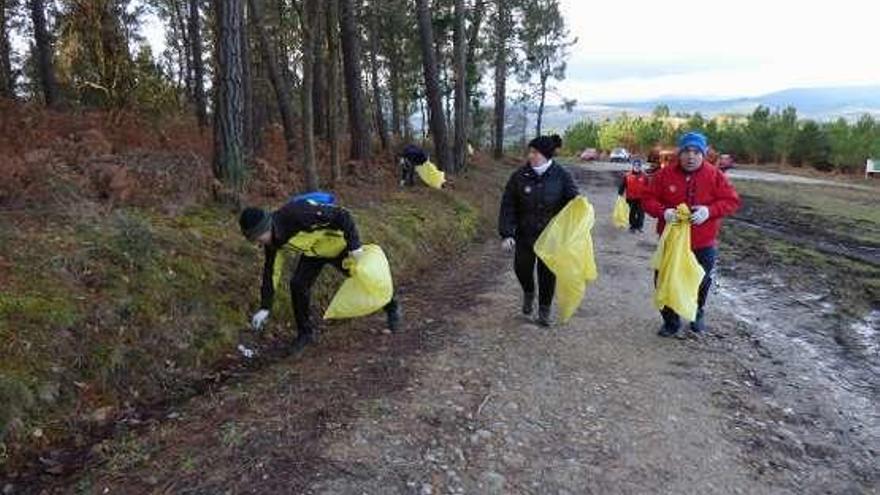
{"x":544,"y":318}
{"x":699,"y":325}
{"x":528,"y":303}
{"x":671,"y":323}
{"x":394,"y":315}
{"x":305,"y":339}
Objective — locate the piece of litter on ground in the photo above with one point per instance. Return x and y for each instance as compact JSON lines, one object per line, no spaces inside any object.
{"x":247,"y":353}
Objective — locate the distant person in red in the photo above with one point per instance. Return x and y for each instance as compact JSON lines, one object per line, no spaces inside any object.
{"x":633,"y":185}
{"x":710,"y":197}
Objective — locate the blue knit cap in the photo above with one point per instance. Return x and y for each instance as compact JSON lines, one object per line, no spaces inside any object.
{"x":695,"y":140}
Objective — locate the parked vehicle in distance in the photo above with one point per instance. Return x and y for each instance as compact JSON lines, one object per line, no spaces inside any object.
{"x":619,"y":155}
{"x":590,"y":155}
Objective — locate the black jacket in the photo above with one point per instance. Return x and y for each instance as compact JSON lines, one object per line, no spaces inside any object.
{"x":294,"y":218}
{"x":531,"y":201}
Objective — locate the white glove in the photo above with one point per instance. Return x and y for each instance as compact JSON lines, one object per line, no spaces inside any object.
{"x":699,"y":215}
{"x":670,"y":215}
{"x":357,"y":253}
{"x":259,"y":319}
{"x":508,"y":244}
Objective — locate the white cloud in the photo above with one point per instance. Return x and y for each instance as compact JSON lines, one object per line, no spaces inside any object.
{"x":718,"y":49}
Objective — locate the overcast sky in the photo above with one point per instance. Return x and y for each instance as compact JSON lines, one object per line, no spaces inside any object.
{"x":643,"y":49}
{"x":631,"y":50}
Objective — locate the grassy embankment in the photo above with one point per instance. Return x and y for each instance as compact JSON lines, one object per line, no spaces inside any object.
{"x":106,"y":308}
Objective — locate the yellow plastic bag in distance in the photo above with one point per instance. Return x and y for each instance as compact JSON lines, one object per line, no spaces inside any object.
{"x":620,"y":216}
{"x":367,"y":289}
{"x":431,"y":175}
{"x":679,"y":274}
{"x":566,"y":247}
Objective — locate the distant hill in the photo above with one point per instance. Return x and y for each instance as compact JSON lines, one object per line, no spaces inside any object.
{"x":815,"y":103}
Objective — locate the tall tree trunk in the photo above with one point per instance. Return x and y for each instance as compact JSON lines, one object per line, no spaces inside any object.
{"x":423,"y":113}
{"x":319,"y":71}
{"x":461,"y":102}
{"x":473,"y":38}
{"x":247,"y":89}
{"x":502,"y":33}
{"x":228,"y":121}
{"x":7,"y":84}
{"x":45,"y":64}
{"x":351,"y":54}
{"x":394,"y":87}
{"x":334,"y":92}
{"x":432,"y":86}
{"x":309,"y":25}
{"x":198,"y":65}
{"x":374,"y":76}
{"x":262,"y":93}
{"x":538,"y":126}
{"x":184,"y":54}
{"x":279,"y":82}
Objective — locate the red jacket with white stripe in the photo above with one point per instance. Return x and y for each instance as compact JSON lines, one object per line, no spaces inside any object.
{"x":708,"y":187}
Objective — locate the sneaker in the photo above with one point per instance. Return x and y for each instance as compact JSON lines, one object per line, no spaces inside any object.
{"x":544,"y":318}
{"x":394,"y":315}
{"x":528,"y":303}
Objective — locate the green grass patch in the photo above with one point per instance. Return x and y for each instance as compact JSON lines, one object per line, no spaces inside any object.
{"x":845,"y":211}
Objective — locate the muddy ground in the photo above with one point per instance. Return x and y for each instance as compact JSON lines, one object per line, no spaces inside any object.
{"x":473,"y":398}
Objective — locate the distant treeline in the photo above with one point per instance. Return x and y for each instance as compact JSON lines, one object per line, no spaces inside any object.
{"x":764,"y":136}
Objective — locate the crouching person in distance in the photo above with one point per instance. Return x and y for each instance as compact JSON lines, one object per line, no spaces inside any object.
{"x":274,"y":230}
{"x":410,"y":157}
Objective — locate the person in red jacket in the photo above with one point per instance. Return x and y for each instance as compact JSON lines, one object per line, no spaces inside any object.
{"x":710,"y":197}
{"x":633,"y":185}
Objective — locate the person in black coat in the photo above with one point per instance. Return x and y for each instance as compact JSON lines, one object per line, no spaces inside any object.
{"x":534,"y":194}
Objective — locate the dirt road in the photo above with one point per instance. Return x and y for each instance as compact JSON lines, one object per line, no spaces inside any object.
{"x":474,"y":398}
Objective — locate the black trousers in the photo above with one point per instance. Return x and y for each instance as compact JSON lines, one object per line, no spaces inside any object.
{"x":304,"y":276}
{"x":636,"y":214}
{"x":706,"y":257}
{"x":524,"y":265}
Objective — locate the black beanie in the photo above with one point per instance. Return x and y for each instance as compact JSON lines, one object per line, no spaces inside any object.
{"x":254,"y":222}
{"x":546,"y":145}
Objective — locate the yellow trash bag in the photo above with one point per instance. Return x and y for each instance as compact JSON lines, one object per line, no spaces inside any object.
{"x":566,"y":247}
{"x":368,"y":288}
{"x":620,"y":216}
{"x":679,"y":274}
{"x":431,"y":175}
{"x":322,"y":243}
